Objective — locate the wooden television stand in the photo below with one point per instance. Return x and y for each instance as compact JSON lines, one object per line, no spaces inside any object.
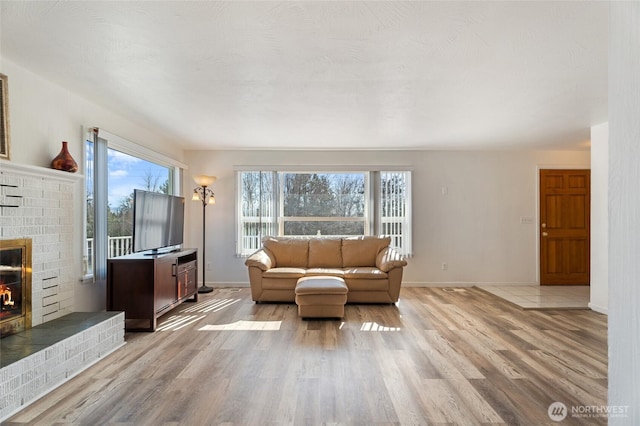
{"x":146,"y":286}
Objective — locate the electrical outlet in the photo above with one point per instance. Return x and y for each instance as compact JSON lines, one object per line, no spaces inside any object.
{"x":444,"y":266}
{"x":208,"y":266}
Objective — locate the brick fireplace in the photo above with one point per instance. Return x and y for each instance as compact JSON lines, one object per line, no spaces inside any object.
{"x":15,"y":286}
{"x":37,"y":204}
{"x":41,"y":208}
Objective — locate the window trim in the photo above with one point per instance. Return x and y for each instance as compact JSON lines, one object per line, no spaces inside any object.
{"x":128,"y":147}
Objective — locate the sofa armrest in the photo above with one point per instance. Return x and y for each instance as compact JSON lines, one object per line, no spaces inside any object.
{"x":260,"y":259}
{"x":388,"y":259}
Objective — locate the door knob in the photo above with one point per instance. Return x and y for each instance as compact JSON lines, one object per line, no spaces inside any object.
{"x":544,"y":225}
{"x":544,"y":234}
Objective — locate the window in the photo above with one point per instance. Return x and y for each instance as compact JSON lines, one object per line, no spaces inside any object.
{"x":113,"y":171}
{"x":331,"y":204}
{"x":322,"y":203}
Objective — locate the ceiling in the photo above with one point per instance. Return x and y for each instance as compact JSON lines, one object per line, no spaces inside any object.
{"x":328,"y":75}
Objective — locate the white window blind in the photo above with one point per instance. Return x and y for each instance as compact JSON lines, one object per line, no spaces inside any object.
{"x":257,"y":209}
{"x":395,"y":209}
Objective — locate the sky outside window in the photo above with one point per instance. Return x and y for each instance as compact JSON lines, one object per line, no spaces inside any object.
{"x":127,"y":173}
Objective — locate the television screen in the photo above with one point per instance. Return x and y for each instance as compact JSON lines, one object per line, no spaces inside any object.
{"x":158,"y":220}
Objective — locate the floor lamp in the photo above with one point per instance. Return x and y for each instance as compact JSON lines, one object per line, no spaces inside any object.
{"x":204,"y":194}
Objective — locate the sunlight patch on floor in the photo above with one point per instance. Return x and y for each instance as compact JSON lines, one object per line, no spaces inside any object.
{"x":244,"y":326}
{"x":176,"y":322}
{"x":212,"y":305}
{"x":193,"y":313}
{"x":374,"y":326}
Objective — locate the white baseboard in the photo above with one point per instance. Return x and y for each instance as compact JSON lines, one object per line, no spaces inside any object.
{"x":598,"y":309}
{"x":224,"y":285}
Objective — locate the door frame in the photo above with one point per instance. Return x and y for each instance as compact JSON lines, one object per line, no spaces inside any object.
{"x":536,"y":220}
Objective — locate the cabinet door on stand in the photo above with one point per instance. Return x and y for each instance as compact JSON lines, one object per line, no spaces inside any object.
{"x":166,"y":289}
{"x":192,"y":283}
{"x":187,"y":279}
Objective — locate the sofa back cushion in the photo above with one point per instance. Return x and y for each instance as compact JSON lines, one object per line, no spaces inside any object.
{"x":362,"y":251}
{"x":325,"y":253}
{"x":288,"y":252}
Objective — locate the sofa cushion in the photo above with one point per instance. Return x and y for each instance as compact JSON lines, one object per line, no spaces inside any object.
{"x":362,"y":251}
{"x":288,"y":252}
{"x":365,"y":273}
{"x":325,"y":253}
{"x":284,"y":272}
{"x":321,"y":285}
{"x":331,"y":272}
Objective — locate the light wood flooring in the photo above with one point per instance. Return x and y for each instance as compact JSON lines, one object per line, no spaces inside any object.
{"x":438,"y":357}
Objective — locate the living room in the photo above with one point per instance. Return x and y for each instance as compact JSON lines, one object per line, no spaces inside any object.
{"x":470,"y":206}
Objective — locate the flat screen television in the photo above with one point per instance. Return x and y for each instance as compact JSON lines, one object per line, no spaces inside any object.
{"x":158,"y":221}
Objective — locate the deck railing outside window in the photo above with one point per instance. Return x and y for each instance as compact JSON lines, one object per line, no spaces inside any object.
{"x":253,"y":229}
{"x":392,"y":227}
{"x":118,"y":246}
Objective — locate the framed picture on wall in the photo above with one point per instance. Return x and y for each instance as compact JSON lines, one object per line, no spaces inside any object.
{"x":4,"y":118}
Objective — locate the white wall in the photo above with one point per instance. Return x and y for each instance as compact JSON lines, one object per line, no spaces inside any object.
{"x":624,"y":208}
{"x":475,"y":228}
{"x":599,"y":218}
{"x":42,"y":115}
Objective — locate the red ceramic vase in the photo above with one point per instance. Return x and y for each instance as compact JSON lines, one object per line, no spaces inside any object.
{"x":64,"y":161}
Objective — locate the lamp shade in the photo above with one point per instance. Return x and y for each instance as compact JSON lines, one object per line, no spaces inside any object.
{"x":204,"y":180}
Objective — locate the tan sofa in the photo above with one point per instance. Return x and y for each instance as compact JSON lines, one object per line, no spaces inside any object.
{"x":371,"y":269}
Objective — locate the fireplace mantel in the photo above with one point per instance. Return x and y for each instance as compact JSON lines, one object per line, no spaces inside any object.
{"x":37,"y":171}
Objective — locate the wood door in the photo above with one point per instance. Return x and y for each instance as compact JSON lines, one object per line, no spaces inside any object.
{"x":564,"y":227}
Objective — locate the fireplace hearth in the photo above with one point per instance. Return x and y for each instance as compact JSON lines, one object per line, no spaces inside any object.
{"x":15,"y":286}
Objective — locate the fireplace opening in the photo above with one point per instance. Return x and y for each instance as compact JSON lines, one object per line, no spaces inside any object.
{"x":15,"y":286}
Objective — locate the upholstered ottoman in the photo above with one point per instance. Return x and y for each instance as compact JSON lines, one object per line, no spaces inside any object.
{"x":321,"y":297}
